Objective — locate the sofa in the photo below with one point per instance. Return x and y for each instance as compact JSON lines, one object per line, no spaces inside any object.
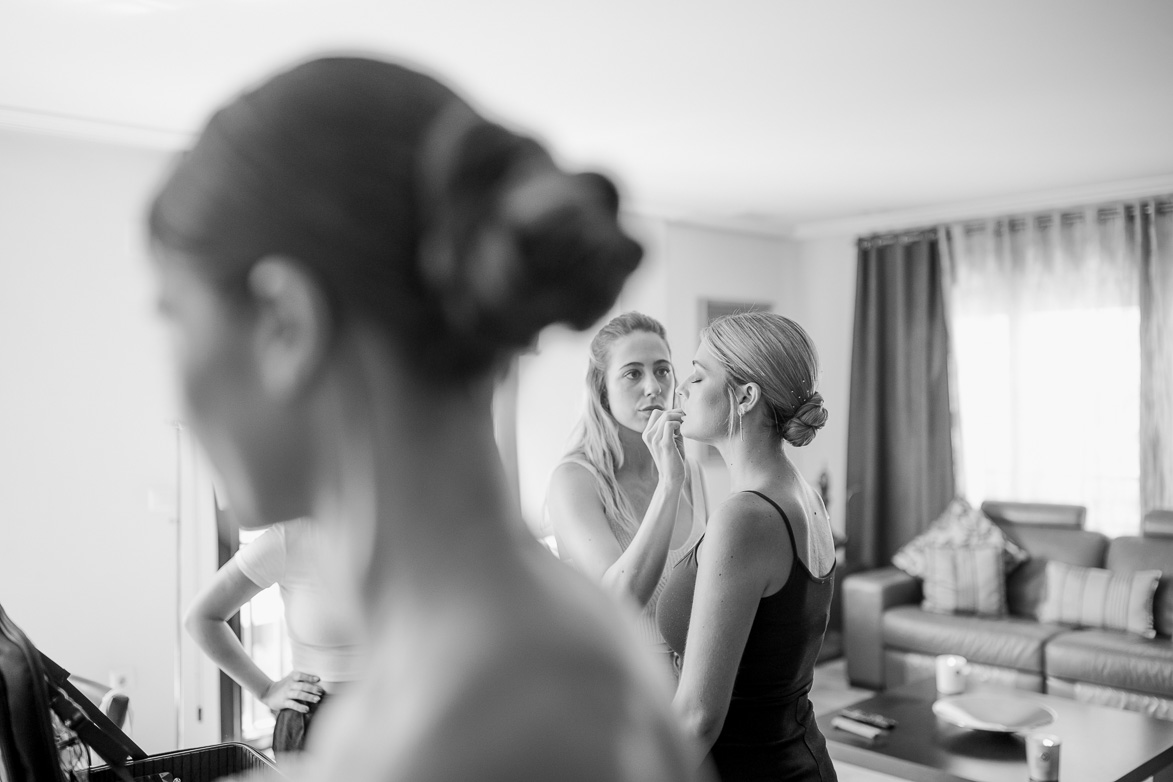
{"x":890,"y":639}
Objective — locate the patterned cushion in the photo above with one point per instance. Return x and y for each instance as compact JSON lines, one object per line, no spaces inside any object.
{"x":965,"y":581}
{"x":960,"y":526}
{"x":1094,"y":597}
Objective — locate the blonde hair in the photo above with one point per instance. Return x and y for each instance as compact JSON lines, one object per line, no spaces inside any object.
{"x":778,"y":355}
{"x":596,"y":437}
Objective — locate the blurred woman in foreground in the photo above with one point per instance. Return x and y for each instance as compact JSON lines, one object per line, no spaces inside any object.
{"x":345,"y":259}
{"x":748,"y":609}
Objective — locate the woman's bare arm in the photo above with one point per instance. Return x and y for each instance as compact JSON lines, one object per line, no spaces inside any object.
{"x":736,"y":563}
{"x":207,"y":623}
{"x":585,"y":538}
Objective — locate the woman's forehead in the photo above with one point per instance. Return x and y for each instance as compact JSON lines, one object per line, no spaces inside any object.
{"x":641,"y":347}
{"x":704,"y":360}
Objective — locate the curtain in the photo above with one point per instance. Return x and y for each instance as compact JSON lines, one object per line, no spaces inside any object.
{"x":1060,"y":323}
{"x":900,"y":459}
{"x":1155,"y":252}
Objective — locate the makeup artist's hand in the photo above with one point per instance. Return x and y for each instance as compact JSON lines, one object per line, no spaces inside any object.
{"x":662,"y":436}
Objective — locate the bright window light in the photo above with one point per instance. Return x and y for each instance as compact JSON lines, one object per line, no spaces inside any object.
{"x":1050,"y":410}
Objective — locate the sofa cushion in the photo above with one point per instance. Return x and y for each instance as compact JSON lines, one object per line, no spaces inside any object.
{"x":1157,"y":523}
{"x":1128,"y":554}
{"x":1112,"y":659}
{"x":1009,"y":642}
{"x":960,"y":526}
{"x":965,"y":581}
{"x":1026,"y":585}
{"x":1095,"y":597}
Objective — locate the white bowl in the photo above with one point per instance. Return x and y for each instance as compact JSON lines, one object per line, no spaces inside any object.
{"x":995,"y":713}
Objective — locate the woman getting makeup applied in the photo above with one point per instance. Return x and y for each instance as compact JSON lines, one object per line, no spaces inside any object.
{"x":345,"y":260}
{"x":625,"y":503}
{"x":747,"y":609}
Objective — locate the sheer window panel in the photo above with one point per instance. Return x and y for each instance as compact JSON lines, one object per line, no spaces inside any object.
{"x":1050,"y":409}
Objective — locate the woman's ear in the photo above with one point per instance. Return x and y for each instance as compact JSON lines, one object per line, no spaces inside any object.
{"x":748,"y":396}
{"x":293,"y":325}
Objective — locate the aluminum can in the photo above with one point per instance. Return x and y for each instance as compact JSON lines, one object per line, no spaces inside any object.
{"x":1042,"y":756}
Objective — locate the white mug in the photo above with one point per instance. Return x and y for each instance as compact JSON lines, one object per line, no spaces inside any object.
{"x":951,"y":671}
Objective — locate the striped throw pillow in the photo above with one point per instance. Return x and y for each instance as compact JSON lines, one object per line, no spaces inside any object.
{"x":965,"y":581}
{"x":1094,"y":597}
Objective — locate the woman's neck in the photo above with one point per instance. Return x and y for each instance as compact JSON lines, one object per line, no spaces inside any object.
{"x":415,"y":486}
{"x":637,"y":459}
{"x":755,"y":460}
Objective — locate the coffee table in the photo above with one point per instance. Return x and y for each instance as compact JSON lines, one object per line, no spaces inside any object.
{"x":1100,"y":744}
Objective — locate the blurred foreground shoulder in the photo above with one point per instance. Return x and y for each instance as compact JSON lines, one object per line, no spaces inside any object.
{"x":548,"y":686}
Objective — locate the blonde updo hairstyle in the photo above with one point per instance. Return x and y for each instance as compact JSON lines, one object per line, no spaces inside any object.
{"x":775,"y":353}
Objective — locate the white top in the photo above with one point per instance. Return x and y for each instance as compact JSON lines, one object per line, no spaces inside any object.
{"x":693,"y":505}
{"x":324,"y":642}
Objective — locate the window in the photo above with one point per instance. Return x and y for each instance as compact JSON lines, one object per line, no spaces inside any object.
{"x":1050,"y":409}
{"x":1046,"y":338}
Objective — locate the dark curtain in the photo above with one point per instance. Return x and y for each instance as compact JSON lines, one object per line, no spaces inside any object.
{"x":899,"y":446}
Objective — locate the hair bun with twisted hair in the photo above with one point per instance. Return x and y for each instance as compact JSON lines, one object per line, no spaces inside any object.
{"x":807,"y":420}
{"x":516,"y":244}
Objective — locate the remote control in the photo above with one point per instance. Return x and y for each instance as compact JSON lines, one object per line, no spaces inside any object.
{"x":869,"y":718}
{"x":858,"y":728}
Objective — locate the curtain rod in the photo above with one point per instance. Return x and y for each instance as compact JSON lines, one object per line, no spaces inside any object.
{"x":1162,"y":204}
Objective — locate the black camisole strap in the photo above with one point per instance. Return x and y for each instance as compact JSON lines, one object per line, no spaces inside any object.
{"x":793,"y":542}
{"x":782,"y":513}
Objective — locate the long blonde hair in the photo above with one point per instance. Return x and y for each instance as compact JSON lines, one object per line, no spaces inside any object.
{"x":595,"y":440}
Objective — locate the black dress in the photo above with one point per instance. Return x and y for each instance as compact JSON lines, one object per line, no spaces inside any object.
{"x":769,"y":731}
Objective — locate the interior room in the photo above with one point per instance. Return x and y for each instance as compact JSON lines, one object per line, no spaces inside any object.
{"x":766,"y":153}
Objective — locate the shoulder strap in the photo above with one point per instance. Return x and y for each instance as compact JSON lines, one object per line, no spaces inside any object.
{"x":782,"y":513}
{"x":95,"y":728}
{"x":86,"y":720}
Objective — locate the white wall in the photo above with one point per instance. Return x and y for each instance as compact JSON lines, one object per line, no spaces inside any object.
{"x":683,"y":265}
{"x":88,"y":453}
{"x":825,"y":287}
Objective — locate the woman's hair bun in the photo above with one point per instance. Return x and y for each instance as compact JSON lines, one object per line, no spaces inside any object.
{"x":574,"y":258}
{"x":807,"y":420}
{"x":519,"y":244}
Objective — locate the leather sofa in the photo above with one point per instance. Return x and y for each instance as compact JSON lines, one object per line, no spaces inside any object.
{"x":890,"y":640}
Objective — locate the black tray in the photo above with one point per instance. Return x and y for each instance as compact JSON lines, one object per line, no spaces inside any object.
{"x":202,"y":764}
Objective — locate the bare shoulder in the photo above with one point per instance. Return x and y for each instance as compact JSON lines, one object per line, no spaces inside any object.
{"x":550,"y":714}
{"x":572,"y":477}
{"x":549,"y":690}
{"x":573,"y":501}
{"x":744,"y":521}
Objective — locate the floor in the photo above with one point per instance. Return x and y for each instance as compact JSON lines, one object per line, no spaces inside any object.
{"x":832,"y":691}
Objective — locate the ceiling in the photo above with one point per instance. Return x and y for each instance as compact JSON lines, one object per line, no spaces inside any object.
{"x":777,"y":113}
